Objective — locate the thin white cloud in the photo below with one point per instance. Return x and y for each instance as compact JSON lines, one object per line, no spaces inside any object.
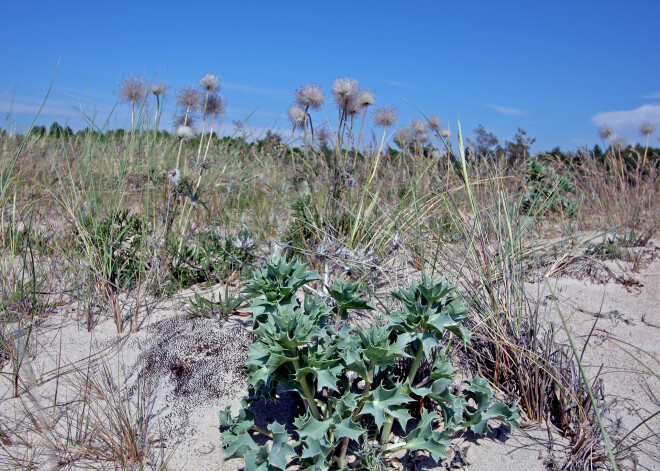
{"x":622,"y":121}
{"x":652,"y":96}
{"x":507,"y":110}
{"x":27,"y":108}
{"x":396,"y":83}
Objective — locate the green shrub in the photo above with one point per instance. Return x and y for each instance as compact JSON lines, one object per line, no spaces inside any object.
{"x":547,"y":191}
{"x":355,"y":384}
{"x":116,"y":244}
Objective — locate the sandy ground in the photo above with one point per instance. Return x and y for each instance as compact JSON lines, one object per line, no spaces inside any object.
{"x":192,"y":369}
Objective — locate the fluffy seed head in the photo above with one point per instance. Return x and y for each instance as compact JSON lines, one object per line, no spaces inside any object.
{"x":183,"y":120}
{"x":175,"y":176}
{"x":365,"y":98}
{"x":445,"y":133}
{"x":385,"y":116}
{"x":418,"y":126}
{"x":323,"y":134}
{"x":159,"y":89}
{"x":215,"y":105}
{"x":210,"y":82}
{"x":403,"y":136}
{"x":297,"y":115}
{"x":343,"y":90}
{"x":189,"y":98}
{"x":344,"y":87}
{"x":605,"y":132}
{"x":310,"y":96}
{"x":352,"y":106}
{"x":619,"y":143}
{"x":435,"y":123}
{"x":185,"y":132}
{"x":132,"y":89}
{"x":423,"y":137}
{"x":646,"y":129}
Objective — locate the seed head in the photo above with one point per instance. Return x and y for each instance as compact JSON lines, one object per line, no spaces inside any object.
{"x":646,"y":129}
{"x":618,"y":143}
{"x":215,"y":105}
{"x":189,"y":98}
{"x":385,"y":116}
{"x":175,"y":176}
{"x":352,"y":106}
{"x":445,"y":133}
{"x":159,"y":89}
{"x":323,"y":134}
{"x":132,"y":89}
{"x":310,"y":96}
{"x":605,"y":132}
{"x":403,"y":136}
{"x":210,"y":82}
{"x":297,"y":115}
{"x":343,"y":89}
{"x":183,"y":120}
{"x":435,"y":123}
{"x":418,"y":126}
{"x":423,"y":137}
{"x":185,"y":132}
{"x":365,"y":98}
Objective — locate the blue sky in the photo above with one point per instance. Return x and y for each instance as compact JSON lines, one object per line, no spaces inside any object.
{"x":558,"y":69}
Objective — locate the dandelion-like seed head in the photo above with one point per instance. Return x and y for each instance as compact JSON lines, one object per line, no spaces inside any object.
{"x":418,"y":126}
{"x":445,"y":133}
{"x":618,"y":143}
{"x":343,"y":89}
{"x":403,"y":136}
{"x":297,"y":115}
{"x":183,"y":120}
{"x":174,"y":176}
{"x":385,"y":116}
{"x":132,"y":89}
{"x":310,"y":96}
{"x":423,"y":137}
{"x":435,"y":123}
{"x":210,"y":82}
{"x":352,"y":106}
{"x":323,"y":134}
{"x":185,"y":132}
{"x":646,"y":129}
{"x":159,"y":89}
{"x":605,"y":132}
{"x":189,"y":98}
{"x":365,"y":98}
{"x":215,"y":105}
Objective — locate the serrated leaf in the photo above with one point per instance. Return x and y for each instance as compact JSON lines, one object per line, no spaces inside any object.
{"x":384,"y":401}
{"x":237,"y":446}
{"x":348,"y":428}
{"x":425,"y":438}
{"x":314,"y":447}
{"x":308,"y":426}
{"x":280,"y":448}
{"x":257,"y":460}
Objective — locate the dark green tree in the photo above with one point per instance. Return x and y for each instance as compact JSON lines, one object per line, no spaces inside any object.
{"x":517,"y":151}
{"x":485,"y":143}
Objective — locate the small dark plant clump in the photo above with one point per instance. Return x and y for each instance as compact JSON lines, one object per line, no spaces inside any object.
{"x":118,"y":244}
{"x":547,"y":192}
{"x":350,"y":380}
{"x":211,"y":260}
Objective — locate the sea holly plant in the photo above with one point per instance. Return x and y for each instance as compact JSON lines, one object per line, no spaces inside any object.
{"x":360,"y":386}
